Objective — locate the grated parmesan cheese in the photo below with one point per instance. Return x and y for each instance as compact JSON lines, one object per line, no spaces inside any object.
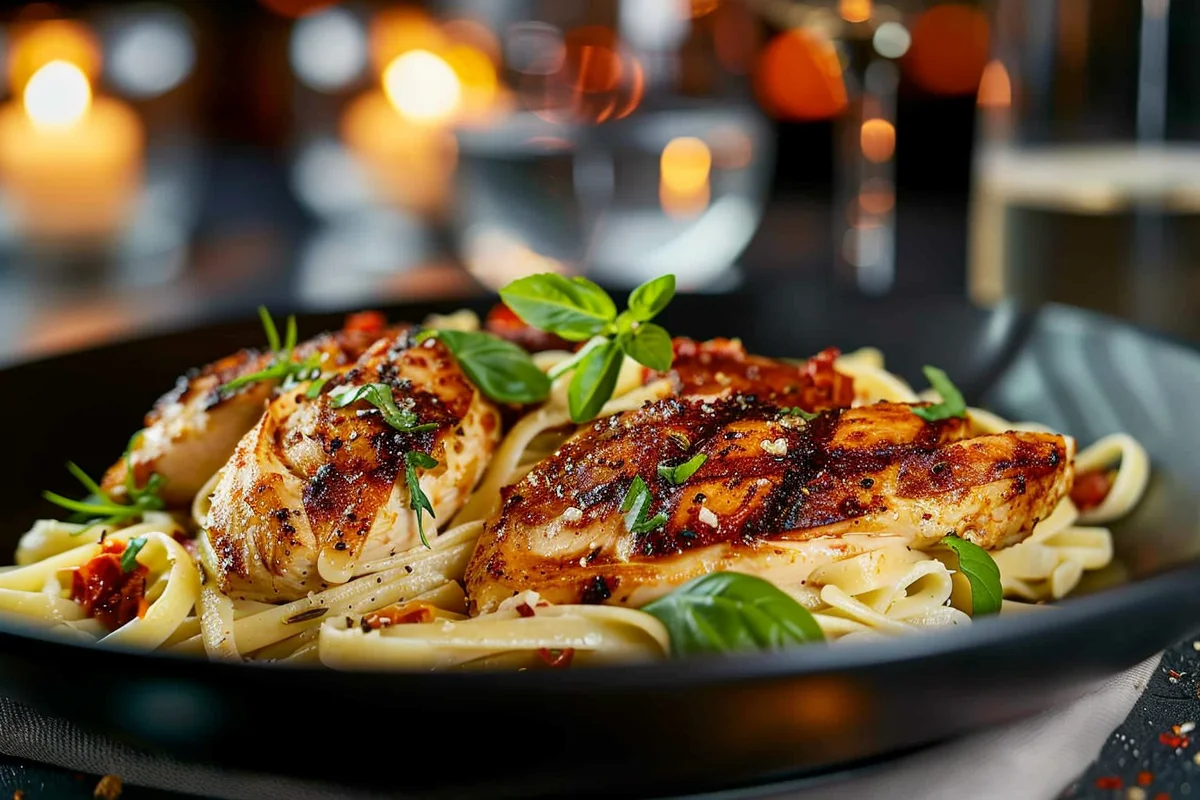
{"x":776,"y":447}
{"x":709,"y":518}
{"x":572,"y":514}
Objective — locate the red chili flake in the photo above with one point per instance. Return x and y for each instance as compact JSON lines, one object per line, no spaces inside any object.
{"x":1174,"y":676}
{"x":559,"y":659}
{"x":524,"y":610}
{"x":365,"y":321}
{"x":1145,"y":778}
{"x":1173,"y":740}
{"x":1109,"y":782}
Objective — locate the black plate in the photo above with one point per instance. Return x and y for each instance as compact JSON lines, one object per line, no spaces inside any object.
{"x":676,"y":727}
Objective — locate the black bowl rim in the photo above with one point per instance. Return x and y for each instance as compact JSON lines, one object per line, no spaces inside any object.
{"x":1153,"y":594}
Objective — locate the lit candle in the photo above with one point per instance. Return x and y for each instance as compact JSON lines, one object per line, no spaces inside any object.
{"x":70,"y":163}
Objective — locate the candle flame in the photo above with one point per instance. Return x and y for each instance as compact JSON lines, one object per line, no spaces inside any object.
{"x":57,"y":96}
{"x":423,"y":87}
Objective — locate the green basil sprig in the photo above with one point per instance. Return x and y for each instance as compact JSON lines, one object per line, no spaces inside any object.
{"x":580,"y":311}
{"x":98,"y":508}
{"x":636,"y":504}
{"x":129,"y":555}
{"x":502,"y":370}
{"x":679,"y":474}
{"x":282,"y":367}
{"x":981,"y":572}
{"x":724,"y":612}
{"x":380,"y":396}
{"x":418,"y":501}
{"x":952,"y":404}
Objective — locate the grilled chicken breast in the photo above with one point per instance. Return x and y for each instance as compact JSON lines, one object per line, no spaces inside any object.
{"x":313,"y":490}
{"x":776,"y":496}
{"x":192,"y":430}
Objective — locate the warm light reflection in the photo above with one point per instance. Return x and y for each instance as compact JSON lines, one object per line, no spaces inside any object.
{"x":703,"y":7}
{"x":36,"y":44}
{"x":497,"y":257}
{"x":475,"y":34}
{"x":876,"y":197}
{"x":583,"y":78}
{"x":395,"y":31}
{"x":855,"y":10}
{"x":799,"y":76}
{"x":878,"y":140}
{"x":685,"y":164}
{"x":57,"y":96}
{"x":995,"y":88}
{"x":732,"y":148}
{"x":422,"y":87}
{"x":476,"y":76}
{"x":949,"y":49}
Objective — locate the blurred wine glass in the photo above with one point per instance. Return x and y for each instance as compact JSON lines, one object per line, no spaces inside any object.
{"x":627,"y":142}
{"x":1088,"y":160}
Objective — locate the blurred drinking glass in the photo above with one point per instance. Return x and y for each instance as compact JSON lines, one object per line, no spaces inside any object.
{"x":1086,"y":186}
{"x":631,"y":144}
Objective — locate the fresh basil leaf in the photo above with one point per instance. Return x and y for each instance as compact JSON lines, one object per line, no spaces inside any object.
{"x":129,"y":555}
{"x":649,"y":344}
{"x":679,"y":474}
{"x":952,"y":404}
{"x":502,"y":370}
{"x":314,"y":388}
{"x":724,"y":612}
{"x":575,"y":309}
{"x":981,"y":572}
{"x":380,"y":396}
{"x":634,"y":506}
{"x":646,"y":301}
{"x":594,"y":380}
{"x":418,"y":501}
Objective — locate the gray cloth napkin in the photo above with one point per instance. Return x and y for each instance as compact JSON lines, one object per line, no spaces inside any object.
{"x":1033,"y":759}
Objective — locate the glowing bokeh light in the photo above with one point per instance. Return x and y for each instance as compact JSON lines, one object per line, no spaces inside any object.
{"x":878,"y":140}
{"x":685,"y":164}
{"x":395,"y":31}
{"x":57,"y":96}
{"x":949,"y":49}
{"x":328,"y":50}
{"x":855,"y":10}
{"x":36,"y":44}
{"x":799,"y":76}
{"x":995,"y":87}
{"x":422,"y":87}
{"x":151,"y":52}
{"x":891,"y":39}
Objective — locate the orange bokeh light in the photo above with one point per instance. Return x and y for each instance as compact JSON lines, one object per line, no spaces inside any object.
{"x":36,"y":44}
{"x":685,"y":164}
{"x":878,"y":140}
{"x":395,"y":31}
{"x":589,"y":80}
{"x":855,"y":10}
{"x":995,"y":88}
{"x":592,"y":59}
{"x":799,"y":76}
{"x":295,"y":8}
{"x":949,"y":49}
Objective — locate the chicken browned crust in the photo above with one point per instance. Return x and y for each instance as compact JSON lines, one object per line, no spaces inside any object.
{"x":313,"y":490}
{"x":192,"y":430}
{"x":777,"y":496}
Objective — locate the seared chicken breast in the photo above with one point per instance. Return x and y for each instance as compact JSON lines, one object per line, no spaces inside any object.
{"x":722,"y":367}
{"x":313,"y":490}
{"x":192,"y":430}
{"x":775,"y":496}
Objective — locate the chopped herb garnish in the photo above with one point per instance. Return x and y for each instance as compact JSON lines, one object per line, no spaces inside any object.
{"x":580,"y":311}
{"x":679,"y":474}
{"x":797,"y":411}
{"x":636,"y":504}
{"x":380,"y":396}
{"x":418,"y":501}
{"x":98,"y":508}
{"x":282,"y":367}
{"x":952,"y":404}
{"x":314,"y":388}
{"x":129,"y":556}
